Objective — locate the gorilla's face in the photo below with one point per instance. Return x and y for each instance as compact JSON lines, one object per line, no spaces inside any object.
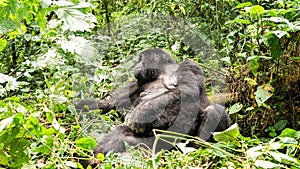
{"x":151,"y":63}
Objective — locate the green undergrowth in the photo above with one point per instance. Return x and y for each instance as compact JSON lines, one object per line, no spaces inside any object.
{"x":54,"y":52}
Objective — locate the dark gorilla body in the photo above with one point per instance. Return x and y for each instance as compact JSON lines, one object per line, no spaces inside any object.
{"x":166,"y":96}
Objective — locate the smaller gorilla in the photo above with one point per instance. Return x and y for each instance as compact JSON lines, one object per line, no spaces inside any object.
{"x":165,"y":82}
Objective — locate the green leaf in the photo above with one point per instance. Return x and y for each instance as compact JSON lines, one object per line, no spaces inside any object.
{"x":242,"y":5}
{"x":3,"y":44}
{"x":267,"y":164}
{"x":280,"y":19}
{"x":229,"y":135}
{"x":277,"y":19}
{"x":48,"y":131}
{"x":273,"y":134}
{"x":242,"y":21}
{"x":100,"y":157}
{"x":252,"y":82}
{"x":226,"y":59}
{"x":274,"y":44}
{"x":58,"y":99}
{"x":271,"y":12}
{"x":255,"y":152}
{"x":57,"y":126}
{"x":45,"y":148}
{"x":250,"y":108}
{"x":254,"y":65}
{"x":81,"y":46}
{"x":6,"y":122}
{"x":219,"y":153}
{"x":75,"y":20}
{"x":257,"y":9}
{"x":41,"y":19}
{"x":262,"y":94}
{"x":86,"y":143}
{"x":279,"y":156}
{"x":3,"y":3}
{"x":3,"y":157}
{"x":181,"y":7}
{"x":17,"y":147}
{"x":185,"y":149}
{"x":275,"y":146}
{"x":280,"y":33}
{"x":280,"y":125}
{"x":71,"y":164}
{"x":288,"y":140}
{"x":235,"y":108}
{"x":296,"y":58}
{"x":290,"y":133}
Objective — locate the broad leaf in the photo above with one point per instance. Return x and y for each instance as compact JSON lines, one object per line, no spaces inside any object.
{"x":235,"y":108}
{"x":252,"y":82}
{"x":242,"y":5}
{"x":185,"y":149}
{"x":257,"y":9}
{"x":242,"y":21}
{"x":254,"y":65}
{"x":280,"y":125}
{"x":262,"y":94}
{"x":255,"y":152}
{"x":58,"y":99}
{"x":279,"y":33}
{"x":280,"y":19}
{"x":80,"y":46}
{"x":279,"y":157}
{"x":100,"y":157}
{"x":273,"y":43}
{"x":3,"y":44}
{"x":75,"y":20}
{"x":275,"y":146}
{"x":6,"y":122}
{"x":71,"y":164}
{"x":229,"y":135}
{"x":290,"y":133}
{"x":267,"y":164}
{"x":86,"y":143}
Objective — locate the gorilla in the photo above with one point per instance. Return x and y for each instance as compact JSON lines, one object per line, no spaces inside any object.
{"x":165,"y":96}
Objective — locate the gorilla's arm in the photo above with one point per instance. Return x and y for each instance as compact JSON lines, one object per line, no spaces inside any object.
{"x":123,"y":98}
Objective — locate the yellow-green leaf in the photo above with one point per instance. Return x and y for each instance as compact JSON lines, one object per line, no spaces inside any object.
{"x":3,"y":44}
{"x":257,"y":9}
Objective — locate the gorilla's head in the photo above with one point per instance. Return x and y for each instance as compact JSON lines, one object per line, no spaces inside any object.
{"x":151,"y":63}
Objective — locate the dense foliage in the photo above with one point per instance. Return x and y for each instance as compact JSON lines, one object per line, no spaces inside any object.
{"x":52,"y":52}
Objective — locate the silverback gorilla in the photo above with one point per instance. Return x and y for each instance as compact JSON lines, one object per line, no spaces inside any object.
{"x":166,"y":96}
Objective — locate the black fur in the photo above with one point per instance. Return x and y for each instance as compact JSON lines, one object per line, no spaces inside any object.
{"x":165,"y":96}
